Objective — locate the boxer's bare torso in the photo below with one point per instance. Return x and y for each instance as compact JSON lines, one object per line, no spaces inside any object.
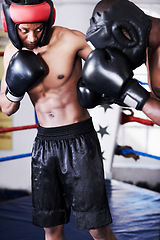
{"x":55,"y":96}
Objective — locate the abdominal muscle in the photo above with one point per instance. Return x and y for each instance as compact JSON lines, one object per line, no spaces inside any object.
{"x":50,"y":115}
{"x":58,"y":107}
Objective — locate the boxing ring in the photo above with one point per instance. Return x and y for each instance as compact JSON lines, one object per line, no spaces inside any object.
{"x":135,"y":211}
{"x":135,"y":215}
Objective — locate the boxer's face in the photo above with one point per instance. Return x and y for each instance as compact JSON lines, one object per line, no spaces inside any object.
{"x":30,"y":34}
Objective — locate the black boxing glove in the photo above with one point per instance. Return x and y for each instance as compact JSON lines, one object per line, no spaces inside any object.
{"x":90,"y":99}
{"x":86,"y":97}
{"x":24,"y":69}
{"x":109,"y":73}
{"x":106,"y":31}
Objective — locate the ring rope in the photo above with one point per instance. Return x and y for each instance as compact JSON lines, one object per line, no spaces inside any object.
{"x":128,"y":150}
{"x":143,"y":83}
{"x":123,"y":151}
{"x":125,"y":118}
{"x":11,"y":129}
{"x":15,"y":157}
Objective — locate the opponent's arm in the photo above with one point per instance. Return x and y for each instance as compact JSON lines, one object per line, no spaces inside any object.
{"x":152,"y":110}
{"x":154,"y":35}
{"x":90,"y":99}
{"x":109,"y":73}
{"x":115,"y":82}
{"x":154,"y":72}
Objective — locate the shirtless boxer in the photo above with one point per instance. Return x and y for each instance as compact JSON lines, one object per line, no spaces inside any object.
{"x":64,"y":124}
{"x":67,"y":168}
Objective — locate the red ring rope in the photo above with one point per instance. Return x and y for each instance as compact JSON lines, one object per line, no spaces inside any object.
{"x":11,"y":129}
{"x":130,"y":118}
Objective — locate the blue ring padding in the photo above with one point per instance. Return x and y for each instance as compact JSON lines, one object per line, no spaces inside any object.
{"x":128,"y":150}
{"x":15,"y":157}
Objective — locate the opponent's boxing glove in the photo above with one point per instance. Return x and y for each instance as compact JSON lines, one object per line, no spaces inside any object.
{"x":86,"y":97}
{"x":108,"y":31}
{"x":90,"y":99}
{"x":109,"y":73}
{"x":24,"y":69}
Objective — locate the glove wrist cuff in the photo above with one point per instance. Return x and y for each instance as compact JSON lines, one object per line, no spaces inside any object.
{"x":134,"y":95}
{"x":11,"y":97}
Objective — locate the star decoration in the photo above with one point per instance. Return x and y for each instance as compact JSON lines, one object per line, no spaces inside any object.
{"x":106,"y":107}
{"x":102,"y":131}
{"x":103,"y":156}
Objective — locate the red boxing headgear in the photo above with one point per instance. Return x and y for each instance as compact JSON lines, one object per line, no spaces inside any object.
{"x":28,"y":11}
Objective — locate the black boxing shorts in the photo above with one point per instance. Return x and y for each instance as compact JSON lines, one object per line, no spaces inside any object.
{"x":67,"y":172}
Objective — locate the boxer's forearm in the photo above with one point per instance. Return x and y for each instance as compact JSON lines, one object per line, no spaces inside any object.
{"x":152,"y":110}
{"x":8,"y":107}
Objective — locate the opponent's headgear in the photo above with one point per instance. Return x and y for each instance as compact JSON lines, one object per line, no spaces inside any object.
{"x":27,"y":11}
{"x":106,"y":31}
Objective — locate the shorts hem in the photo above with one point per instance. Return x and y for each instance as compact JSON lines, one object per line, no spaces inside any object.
{"x":92,"y":219}
{"x":45,"y":219}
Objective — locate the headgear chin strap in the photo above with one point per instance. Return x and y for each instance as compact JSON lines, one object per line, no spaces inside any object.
{"x":28,"y":11}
